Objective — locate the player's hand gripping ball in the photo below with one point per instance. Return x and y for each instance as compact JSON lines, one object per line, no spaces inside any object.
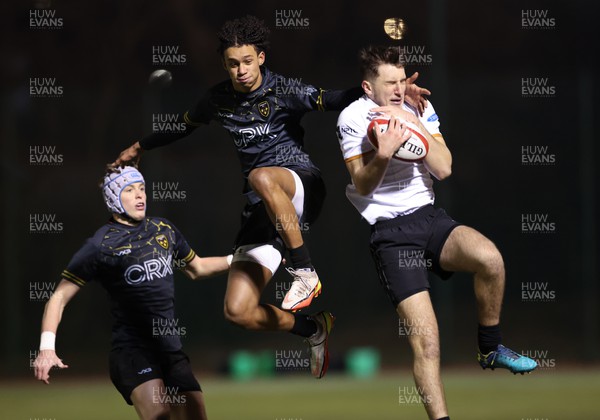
{"x":412,"y":150}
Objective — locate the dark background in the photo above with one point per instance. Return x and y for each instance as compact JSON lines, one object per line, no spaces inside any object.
{"x":102,"y":56}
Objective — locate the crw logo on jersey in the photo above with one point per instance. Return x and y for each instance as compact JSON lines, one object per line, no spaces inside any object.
{"x":155,"y":268}
{"x":242,"y":137}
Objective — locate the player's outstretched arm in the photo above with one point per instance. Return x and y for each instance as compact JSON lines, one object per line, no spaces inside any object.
{"x":129,"y":156}
{"x":200,"y":267}
{"x":415,"y":95}
{"x":47,"y":357}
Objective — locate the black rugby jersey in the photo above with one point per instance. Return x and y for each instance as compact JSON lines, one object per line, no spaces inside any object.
{"x":265,"y":123}
{"x":135,"y":265}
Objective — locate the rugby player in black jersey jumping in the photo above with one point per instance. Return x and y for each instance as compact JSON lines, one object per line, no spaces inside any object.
{"x":284,"y":189}
{"x":132,"y":257}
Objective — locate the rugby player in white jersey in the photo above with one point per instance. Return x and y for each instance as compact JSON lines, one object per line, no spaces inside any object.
{"x":409,"y":236}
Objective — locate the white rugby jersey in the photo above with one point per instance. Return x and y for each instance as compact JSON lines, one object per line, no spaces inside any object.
{"x":406,"y":186}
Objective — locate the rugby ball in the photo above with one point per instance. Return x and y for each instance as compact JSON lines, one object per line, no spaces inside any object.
{"x":412,"y":150}
{"x":161,"y":78}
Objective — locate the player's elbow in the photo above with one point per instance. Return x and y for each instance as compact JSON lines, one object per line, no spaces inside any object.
{"x":444,"y":173}
{"x":191,"y":274}
{"x":441,"y":171}
{"x":198,"y":269}
{"x":365,"y":192}
{"x":199,"y":272}
{"x":364,"y":189}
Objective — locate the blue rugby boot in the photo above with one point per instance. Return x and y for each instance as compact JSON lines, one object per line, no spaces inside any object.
{"x":506,"y":358}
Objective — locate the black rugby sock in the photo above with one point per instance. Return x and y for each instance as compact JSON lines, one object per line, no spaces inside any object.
{"x":304,"y":325}
{"x":299,"y":257}
{"x":488,"y":338}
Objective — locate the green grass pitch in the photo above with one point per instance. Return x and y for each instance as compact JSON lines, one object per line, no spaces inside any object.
{"x":551,"y":395}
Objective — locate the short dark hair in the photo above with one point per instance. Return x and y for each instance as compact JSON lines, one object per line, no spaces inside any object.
{"x":373,"y":56}
{"x":248,"y":30}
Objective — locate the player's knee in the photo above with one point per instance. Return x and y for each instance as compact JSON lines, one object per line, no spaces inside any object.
{"x":428,"y":349}
{"x":493,"y":264}
{"x":431,"y":351}
{"x":260,"y":180}
{"x":237,"y":314}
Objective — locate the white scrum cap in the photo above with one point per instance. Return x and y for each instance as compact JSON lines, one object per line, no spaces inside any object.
{"x":115,"y":183}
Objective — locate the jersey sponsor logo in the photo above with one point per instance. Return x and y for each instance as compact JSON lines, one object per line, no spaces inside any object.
{"x":264,"y":109}
{"x":433,"y":117}
{"x":162,"y":241}
{"x":149,"y":270}
{"x":344,"y":129}
{"x":123,"y":252}
{"x":243,"y":137}
{"x":147,"y":370}
{"x":225,"y":113}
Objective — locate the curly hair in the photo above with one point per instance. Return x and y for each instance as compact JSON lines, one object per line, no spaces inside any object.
{"x":373,"y":56}
{"x":248,"y":30}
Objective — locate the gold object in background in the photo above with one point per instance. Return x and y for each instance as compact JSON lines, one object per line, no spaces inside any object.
{"x":395,"y":28}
